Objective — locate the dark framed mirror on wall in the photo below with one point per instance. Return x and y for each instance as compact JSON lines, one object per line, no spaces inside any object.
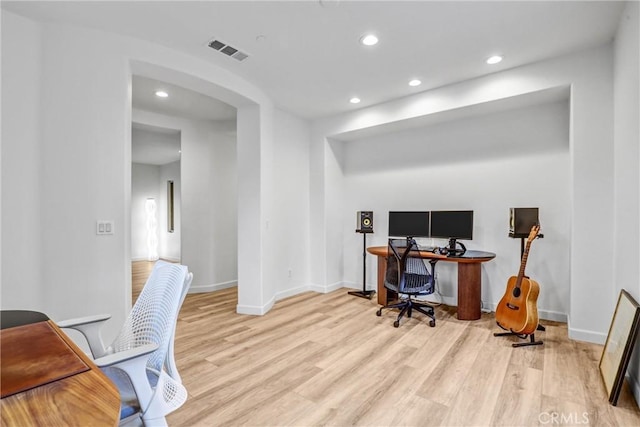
{"x":170,"y":210}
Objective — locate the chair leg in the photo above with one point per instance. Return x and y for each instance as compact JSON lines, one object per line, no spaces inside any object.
{"x":400,"y":304}
{"x":427,"y":310}
{"x":402,"y":312}
{"x":406,"y":307}
{"x":422,"y":310}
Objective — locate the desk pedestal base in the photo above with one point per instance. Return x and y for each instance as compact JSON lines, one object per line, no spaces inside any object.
{"x":469,"y":286}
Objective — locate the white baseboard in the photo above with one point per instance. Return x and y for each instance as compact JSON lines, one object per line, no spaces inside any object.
{"x":144,"y":258}
{"x":491,"y":308}
{"x":291,"y":292}
{"x":555,"y":316}
{"x":197,"y":289}
{"x":325,"y":289}
{"x":255,"y":310}
{"x":584,"y":335}
{"x":261,"y":310}
{"x":574,"y":333}
{"x":358,"y":286}
{"x":552,"y":315}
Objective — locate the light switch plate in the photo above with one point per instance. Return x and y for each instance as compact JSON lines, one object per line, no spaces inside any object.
{"x":104,"y":227}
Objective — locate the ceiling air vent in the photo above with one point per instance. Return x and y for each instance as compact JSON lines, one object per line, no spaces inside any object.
{"x":228,"y":50}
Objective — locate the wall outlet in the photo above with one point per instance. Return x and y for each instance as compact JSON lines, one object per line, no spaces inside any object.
{"x":104,"y":227}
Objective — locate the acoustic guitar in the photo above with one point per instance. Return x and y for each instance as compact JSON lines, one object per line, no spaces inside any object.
{"x":517,"y":311}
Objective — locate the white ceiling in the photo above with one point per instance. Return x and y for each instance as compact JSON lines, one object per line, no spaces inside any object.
{"x":153,"y":145}
{"x":181,"y":102}
{"x":306,"y":56}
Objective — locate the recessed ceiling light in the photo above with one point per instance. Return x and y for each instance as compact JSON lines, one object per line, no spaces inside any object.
{"x":494,"y":59}
{"x":415,"y":82}
{"x":369,"y":40}
{"x":354,"y":100}
{"x":162,"y":94}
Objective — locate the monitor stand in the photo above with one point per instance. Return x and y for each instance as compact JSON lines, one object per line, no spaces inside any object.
{"x":452,"y":249}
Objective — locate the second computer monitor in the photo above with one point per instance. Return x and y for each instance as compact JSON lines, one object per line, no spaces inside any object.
{"x":452,"y":225}
{"x":409,"y":224}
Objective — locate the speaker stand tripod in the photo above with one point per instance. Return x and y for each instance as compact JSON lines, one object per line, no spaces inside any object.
{"x":364,"y":293}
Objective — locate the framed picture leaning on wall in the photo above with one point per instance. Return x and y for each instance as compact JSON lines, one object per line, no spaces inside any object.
{"x":619,"y":345}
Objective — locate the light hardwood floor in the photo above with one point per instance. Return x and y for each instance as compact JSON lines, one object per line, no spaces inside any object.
{"x":327,"y":359}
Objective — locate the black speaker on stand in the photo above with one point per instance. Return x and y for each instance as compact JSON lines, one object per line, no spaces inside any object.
{"x":364,"y":220}
{"x":520,"y":222}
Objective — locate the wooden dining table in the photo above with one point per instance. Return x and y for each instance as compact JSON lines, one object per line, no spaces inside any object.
{"x":47,"y":380}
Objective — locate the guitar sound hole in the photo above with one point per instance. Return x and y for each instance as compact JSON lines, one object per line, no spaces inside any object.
{"x":516,"y":292}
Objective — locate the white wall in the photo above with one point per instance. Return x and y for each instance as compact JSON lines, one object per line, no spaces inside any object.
{"x":488,"y":163}
{"x":73,"y":93}
{"x":250,"y":214}
{"x":21,"y":279}
{"x":86,"y":176}
{"x":290,"y":211}
{"x":627,"y":159}
{"x":589,"y":75}
{"x":76,"y":164}
{"x":208,"y":198}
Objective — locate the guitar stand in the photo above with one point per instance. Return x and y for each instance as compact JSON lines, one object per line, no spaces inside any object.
{"x":532,"y":337}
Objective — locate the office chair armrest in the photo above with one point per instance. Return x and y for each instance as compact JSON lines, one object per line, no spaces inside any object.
{"x":134,"y":363}
{"x":126,"y":355}
{"x":89,"y":326}
{"x":70,"y":323}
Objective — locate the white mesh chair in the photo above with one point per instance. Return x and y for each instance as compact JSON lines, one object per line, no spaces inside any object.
{"x":140,"y":360}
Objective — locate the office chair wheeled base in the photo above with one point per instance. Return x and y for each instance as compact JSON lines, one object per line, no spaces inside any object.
{"x":407,"y":306}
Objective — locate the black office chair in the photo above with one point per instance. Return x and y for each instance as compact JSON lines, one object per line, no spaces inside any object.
{"x":408,"y":275}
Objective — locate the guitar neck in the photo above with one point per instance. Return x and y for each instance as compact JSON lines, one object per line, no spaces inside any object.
{"x":523,"y":264}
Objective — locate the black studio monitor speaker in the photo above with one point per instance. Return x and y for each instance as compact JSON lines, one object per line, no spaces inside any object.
{"x":521,"y":220}
{"x":364,"y":222}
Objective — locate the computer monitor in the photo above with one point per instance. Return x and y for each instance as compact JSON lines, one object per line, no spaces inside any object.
{"x":409,"y":224}
{"x":452,"y":225}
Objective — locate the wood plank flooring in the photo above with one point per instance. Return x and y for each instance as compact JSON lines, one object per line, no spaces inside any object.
{"x":327,"y":359}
